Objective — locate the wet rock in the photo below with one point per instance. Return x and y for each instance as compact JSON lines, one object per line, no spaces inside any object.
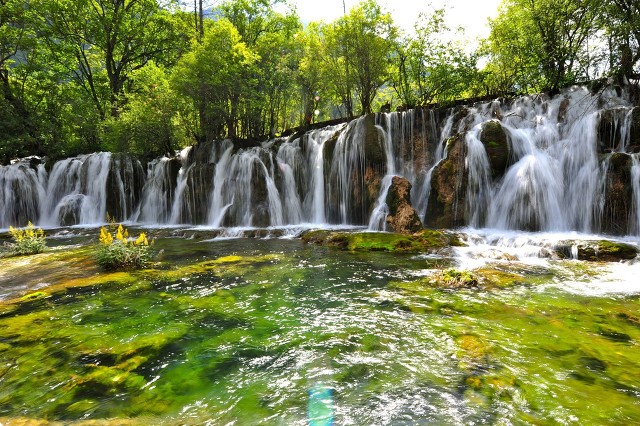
{"x":70,"y":208}
{"x":634,"y":139}
{"x":424,"y":241}
{"x":197,"y":193}
{"x":402,"y":218}
{"x":596,"y":251}
{"x":124,"y":186}
{"x":356,"y":165}
{"x":496,"y":144}
{"x":618,"y":196}
{"x":562,"y":109}
{"x":446,"y":206}
{"x":613,"y":124}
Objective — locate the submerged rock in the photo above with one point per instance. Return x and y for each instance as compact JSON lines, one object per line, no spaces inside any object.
{"x":402,"y":218}
{"x":425,"y":241}
{"x":597,"y":251}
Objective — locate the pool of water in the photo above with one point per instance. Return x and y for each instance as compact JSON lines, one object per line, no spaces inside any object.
{"x":273,"y":331}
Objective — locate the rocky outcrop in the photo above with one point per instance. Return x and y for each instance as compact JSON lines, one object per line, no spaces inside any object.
{"x":496,"y":144}
{"x":634,"y":137}
{"x":618,"y":195}
{"x":402,"y":218}
{"x":124,"y":186}
{"x":618,"y":129}
{"x":354,"y":177}
{"x":425,"y":241}
{"x":446,"y":208}
{"x":596,"y":251}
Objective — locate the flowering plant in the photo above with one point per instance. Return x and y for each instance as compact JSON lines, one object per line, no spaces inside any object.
{"x":28,"y":240}
{"x":119,"y":251}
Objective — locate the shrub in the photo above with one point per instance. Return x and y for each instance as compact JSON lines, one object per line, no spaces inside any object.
{"x":28,"y":240}
{"x":118,"y":251}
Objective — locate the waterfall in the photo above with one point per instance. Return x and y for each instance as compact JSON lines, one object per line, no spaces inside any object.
{"x":181,"y":185}
{"x":421,"y":195}
{"x":479,"y":180}
{"x":347,"y":171}
{"x":219,"y":206}
{"x":566,"y":166}
{"x":21,"y":192}
{"x":158,"y":192}
{"x":378,"y":219}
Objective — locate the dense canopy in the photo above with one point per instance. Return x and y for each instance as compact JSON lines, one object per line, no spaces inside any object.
{"x":150,"y":77}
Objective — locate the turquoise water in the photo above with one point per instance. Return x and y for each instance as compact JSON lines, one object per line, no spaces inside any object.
{"x":249,"y":331}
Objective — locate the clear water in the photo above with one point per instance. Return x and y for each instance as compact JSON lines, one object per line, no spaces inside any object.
{"x":248,"y":331}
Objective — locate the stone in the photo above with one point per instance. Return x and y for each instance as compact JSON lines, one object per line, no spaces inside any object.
{"x":496,"y":144}
{"x":596,"y":251}
{"x":402,"y":218}
{"x":446,"y":206}
{"x":618,"y":195}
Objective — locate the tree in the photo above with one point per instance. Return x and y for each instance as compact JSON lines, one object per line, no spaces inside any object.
{"x":364,"y":40}
{"x":622,"y":24}
{"x":109,"y":39}
{"x":214,"y":75}
{"x":432,"y":65}
{"x":16,"y":127}
{"x":545,"y":37}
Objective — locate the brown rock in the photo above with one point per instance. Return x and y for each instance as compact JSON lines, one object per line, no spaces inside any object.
{"x":402,"y":218}
{"x":618,"y":196}
{"x":446,"y":207}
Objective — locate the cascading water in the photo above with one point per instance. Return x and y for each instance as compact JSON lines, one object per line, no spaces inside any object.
{"x":21,"y":194}
{"x":158,"y":192}
{"x":554,"y":174}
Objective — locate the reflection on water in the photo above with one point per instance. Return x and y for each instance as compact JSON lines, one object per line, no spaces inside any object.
{"x":277,"y":332}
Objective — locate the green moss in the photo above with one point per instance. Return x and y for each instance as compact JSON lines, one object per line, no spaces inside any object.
{"x":424,"y":241}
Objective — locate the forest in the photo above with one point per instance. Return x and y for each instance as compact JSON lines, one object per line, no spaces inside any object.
{"x":149,"y":77}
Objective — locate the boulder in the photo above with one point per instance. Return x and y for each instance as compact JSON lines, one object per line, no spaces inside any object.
{"x":70,"y":209}
{"x":596,"y":251}
{"x":634,"y":139}
{"x":124,"y":185}
{"x":496,"y":144}
{"x":618,"y":196}
{"x":446,"y":206}
{"x":402,"y":218}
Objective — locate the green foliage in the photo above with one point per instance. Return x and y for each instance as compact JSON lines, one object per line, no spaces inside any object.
{"x":117,"y":251}
{"x":28,"y":240}
{"x":432,"y":66}
{"x":364,"y":41}
{"x":542,"y":44}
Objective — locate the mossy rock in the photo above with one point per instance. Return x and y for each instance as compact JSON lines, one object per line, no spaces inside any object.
{"x":424,"y":241}
{"x":445,"y":208}
{"x":597,"y":251}
{"x":496,"y":144}
{"x":618,"y":195}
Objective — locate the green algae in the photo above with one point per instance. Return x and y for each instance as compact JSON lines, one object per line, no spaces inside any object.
{"x":424,"y":241}
{"x":241,"y":336}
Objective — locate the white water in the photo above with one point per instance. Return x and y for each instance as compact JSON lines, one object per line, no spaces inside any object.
{"x":510,"y":250}
{"x":555,"y":181}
